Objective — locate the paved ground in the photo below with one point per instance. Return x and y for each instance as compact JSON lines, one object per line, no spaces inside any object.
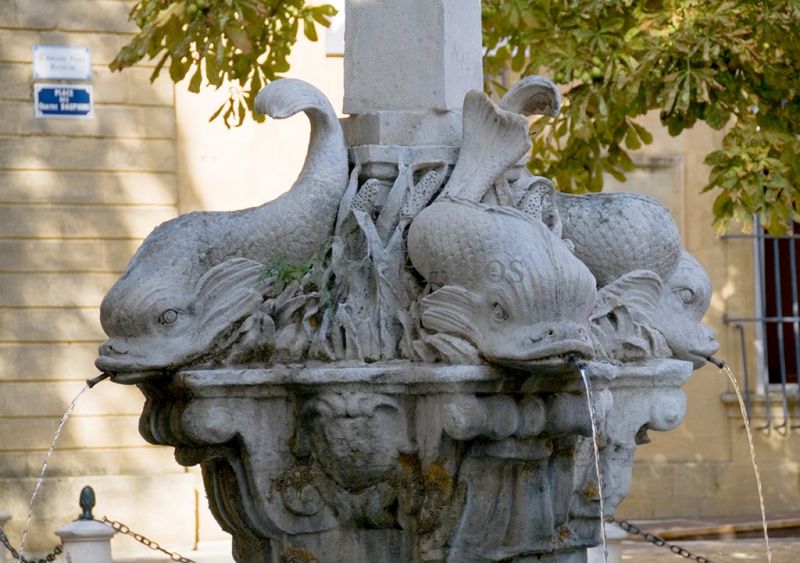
{"x":212,"y":553}
{"x":784,"y":550}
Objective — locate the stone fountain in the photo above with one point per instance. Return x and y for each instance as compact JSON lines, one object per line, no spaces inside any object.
{"x":383,"y":364}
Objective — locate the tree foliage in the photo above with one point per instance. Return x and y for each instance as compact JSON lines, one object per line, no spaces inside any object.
{"x":242,"y":44}
{"x":733,"y":64}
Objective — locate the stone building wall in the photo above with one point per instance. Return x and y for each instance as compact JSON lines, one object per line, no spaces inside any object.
{"x":703,"y":468}
{"x":76,"y":199}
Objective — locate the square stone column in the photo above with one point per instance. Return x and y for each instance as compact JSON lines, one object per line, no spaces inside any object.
{"x":407,"y":66}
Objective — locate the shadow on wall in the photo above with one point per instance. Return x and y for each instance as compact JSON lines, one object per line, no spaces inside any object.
{"x":76,"y":198}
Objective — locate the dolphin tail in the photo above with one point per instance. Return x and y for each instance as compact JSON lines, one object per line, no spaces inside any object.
{"x":285,"y":97}
{"x":492,"y":141}
{"x":298,"y":223}
{"x":533,"y":95}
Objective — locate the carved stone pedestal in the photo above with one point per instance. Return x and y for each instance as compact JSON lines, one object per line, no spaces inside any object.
{"x":398,"y":462}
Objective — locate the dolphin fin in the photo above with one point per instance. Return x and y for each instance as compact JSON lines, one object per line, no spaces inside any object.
{"x":450,"y":310}
{"x":453,"y":348}
{"x":230,"y":291}
{"x":492,"y":141}
{"x":638,"y":291}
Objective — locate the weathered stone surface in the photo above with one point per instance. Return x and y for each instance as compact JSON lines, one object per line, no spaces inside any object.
{"x":406,"y":128}
{"x":54,"y":290}
{"x":144,"y":122}
{"x":143,"y":460}
{"x":52,"y":405}
{"x":341,"y":467}
{"x":72,"y":15}
{"x":149,"y":155}
{"x":50,"y":325}
{"x":31,"y":433}
{"x":35,"y":361}
{"x":15,"y":45}
{"x":427,"y":59}
{"x":420,"y":397}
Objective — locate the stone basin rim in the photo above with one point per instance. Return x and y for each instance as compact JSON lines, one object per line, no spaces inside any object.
{"x":436,"y":377}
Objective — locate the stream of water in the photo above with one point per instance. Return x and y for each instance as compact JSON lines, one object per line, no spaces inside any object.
{"x":39,"y":481}
{"x":593,"y":420}
{"x":727,"y":371}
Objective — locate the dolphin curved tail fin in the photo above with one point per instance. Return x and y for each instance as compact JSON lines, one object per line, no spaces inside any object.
{"x":533,"y":95}
{"x":298,"y":223}
{"x":492,"y":141}
{"x":285,"y":97}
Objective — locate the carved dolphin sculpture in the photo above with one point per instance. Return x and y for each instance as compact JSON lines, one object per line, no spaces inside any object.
{"x":510,"y":286}
{"x":674,"y":307}
{"x":613,"y":233}
{"x":629,"y":242}
{"x":195,"y":276}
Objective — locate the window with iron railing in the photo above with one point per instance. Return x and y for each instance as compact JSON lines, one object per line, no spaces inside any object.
{"x":774,"y":328}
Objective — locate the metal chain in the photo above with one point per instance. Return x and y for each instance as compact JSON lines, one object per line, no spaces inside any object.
{"x":659,"y":541}
{"x":52,"y":556}
{"x":123,"y":529}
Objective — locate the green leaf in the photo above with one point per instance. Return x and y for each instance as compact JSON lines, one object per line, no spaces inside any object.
{"x":632,"y":140}
{"x":217,"y":112}
{"x":158,"y":67}
{"x":323,"y":14}
{"x":310,"y":30}
{"x":212,"y":70}
{"x":643,"y":133}
{"x":197,"y":79}
{"x":239,"y":38}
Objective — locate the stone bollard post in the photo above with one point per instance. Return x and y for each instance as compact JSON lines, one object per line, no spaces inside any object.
{"x":86,"y":540}
{"x":614,"y":537}
{"x":4,"y":517}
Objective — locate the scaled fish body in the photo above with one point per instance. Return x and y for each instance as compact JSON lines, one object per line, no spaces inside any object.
{"x":197,"y":275}
{"x":509,"y":285}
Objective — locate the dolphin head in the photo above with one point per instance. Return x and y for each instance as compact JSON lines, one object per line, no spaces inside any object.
{"x":521,"y":308}
{"x":158,"y":322}
{"x":674,"y":307}
{"x":684,"y":301}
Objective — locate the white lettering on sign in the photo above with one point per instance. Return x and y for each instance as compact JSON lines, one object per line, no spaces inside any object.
{"x":59,"y":101}
{"x":62,"y":62}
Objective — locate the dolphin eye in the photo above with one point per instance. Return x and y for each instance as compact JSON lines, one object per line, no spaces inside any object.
{"x":168,"y":317}
{"x":686,"y":295}
{"x":499,"y":313}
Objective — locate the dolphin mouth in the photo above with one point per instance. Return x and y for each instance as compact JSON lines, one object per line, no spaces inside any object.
{"x":558,"y":351}
{"x":699,"y":355}
{"x":126,"y":370}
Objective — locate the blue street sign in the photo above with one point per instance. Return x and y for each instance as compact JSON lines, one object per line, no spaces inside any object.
{"x":64,"y":100}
